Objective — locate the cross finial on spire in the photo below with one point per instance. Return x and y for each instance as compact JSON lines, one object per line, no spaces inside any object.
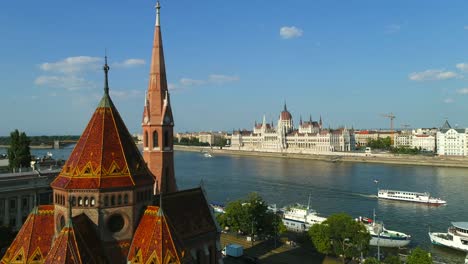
{"x":158,"y":7}
{"x":106,"y":70}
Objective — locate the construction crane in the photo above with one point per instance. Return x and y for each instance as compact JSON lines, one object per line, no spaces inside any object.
{"x":390,"y":116}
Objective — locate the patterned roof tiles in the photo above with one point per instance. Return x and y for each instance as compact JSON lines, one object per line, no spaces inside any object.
{"x":105,"y":156}
{"x":33,"y":241}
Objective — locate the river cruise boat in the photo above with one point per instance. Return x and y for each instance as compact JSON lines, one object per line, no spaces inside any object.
{"x":380,"y":236}
{"x":456,"y":237}
{"x":300,"y":218}
{"x":416,"y":197}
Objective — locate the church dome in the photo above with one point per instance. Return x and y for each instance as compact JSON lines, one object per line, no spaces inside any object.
{"x":285,"y":115}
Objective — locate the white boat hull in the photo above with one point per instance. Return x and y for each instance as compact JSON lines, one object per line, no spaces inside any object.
{"x":423,"y":198}
{"x":389,"y":242}
{"x":448,"y":240}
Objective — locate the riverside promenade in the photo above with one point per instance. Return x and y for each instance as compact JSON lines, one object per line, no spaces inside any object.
{"x":386,"y":158}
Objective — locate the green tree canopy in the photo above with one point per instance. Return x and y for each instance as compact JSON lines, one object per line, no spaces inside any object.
{"x":419,"y":256}
{"x":371,"y":261}
{"x":341,"y":235}
{"x":251,"y":214}
{"x":392,"y":260}
{"x":19,"y":154}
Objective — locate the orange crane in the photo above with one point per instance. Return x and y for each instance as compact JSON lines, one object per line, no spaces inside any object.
{"x":390,"y":116}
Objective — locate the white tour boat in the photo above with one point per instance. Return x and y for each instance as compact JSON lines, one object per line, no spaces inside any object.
{"x":380,"y":236}
{"x":207,"y":155}
{"x":410,"y":197}
{"x":456,"y":237}
{"x":300,"y":218}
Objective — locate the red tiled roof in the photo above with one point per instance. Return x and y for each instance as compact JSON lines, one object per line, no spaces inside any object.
{"x":188,"y":204}
{"x":105,"y":156}
{"x":285,"y":115}
{"x":34,"y":238}
{"x":65,"y":248}
{"x":153,"y":240}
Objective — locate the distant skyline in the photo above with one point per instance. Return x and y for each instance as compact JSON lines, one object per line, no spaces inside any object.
{"x":230,"y":62}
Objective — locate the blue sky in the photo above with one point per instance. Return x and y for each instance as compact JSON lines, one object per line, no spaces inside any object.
{"x":230,"y":62}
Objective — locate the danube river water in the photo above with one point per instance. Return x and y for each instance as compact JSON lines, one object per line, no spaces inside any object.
{"x":334,"y":187}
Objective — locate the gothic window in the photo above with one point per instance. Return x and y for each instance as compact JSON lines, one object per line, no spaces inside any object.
{"x":92,"y":201}
{"x":166,"y":139}
{"x":126,"y":199}
{"x":80,"y":201}
{"x":155,"y":139}
{"x":146,"y":139}
{"x":119,"y":199}
{"x":106,"y":200}
{"x":86,"y":201}
{"x":113,"y":200}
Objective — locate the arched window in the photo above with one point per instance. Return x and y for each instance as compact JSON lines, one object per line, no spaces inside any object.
{"x":106,"y":200}
{"x":126,"y":199}
{"x":73,"y":201}
{"x":146,"y":139}
{"x":86,"y":201}
{"x":80,"y":201}
{"x":92,"y":201}
{"x":119,"y":199}
{"x":155,"y":139}
{"x":166,"y":139}
{"x":113,"y":200}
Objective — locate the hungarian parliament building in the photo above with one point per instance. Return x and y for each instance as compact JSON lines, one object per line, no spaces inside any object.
{"x":308,"y":137}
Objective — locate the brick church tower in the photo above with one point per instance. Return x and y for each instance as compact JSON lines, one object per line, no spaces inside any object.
{"x":158,"y":123}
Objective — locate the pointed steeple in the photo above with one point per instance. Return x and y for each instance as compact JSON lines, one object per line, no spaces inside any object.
{"x":158,"y":120}
{"x":106,"y":79}
{"x":285,"y":108}
{"x":310,"y":119}
{"x":300,"y":120}
{"x":264,"y":121}
{"x":320,"y":122}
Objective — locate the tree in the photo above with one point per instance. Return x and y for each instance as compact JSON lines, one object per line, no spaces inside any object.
{"x":419,"y":256}
{"x":251,"y":216}
{"x":371,"y":261}
{"x":19,"y":154}
{"x":340,"y":235}
{"x":392,"y":260}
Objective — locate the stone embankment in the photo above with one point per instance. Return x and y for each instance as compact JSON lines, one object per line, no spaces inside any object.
{"x":418,"y":160}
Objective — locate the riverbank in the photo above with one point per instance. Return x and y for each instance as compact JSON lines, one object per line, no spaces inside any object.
{"x":336,"y":157}
{"x":32,"y":147}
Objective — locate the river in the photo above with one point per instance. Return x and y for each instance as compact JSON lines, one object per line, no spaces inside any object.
{"x":334,"y":187}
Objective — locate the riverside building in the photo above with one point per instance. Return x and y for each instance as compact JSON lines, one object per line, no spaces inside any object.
{"x":452,"y":141}
{"x":308,"y":137}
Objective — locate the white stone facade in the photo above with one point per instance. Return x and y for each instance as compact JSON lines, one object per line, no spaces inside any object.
{"x":452,"y":141}
{"x":309,"y":137}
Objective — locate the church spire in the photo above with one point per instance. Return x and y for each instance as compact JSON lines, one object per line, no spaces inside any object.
{"x":285,"y":108}
{"x":158,"y":120}
{"x":106,"y":80}
{"x":158,"y":6}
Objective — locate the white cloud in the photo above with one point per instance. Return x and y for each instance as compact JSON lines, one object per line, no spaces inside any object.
{"x":125,"y":94}
{"x":393,"y":28}
{"x":72,"y":65}
{"x":212,"y":79}
{"x":220,"y":79}
{"x":290,"y":32}
{"x":448,"y":100}
{"x":191,"y":82}
{"x":462,"y":66}
{"x":130,"y":63}
{"x":462,"y":91}
{"x":431,"y":75}
{"x":70,"y":83}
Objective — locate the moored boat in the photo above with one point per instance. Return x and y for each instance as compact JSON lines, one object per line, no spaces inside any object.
{"x":380,"y":236}
{"x":456,"y":237}
{"x":300,"y":218}
{"x":409,"y":197}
